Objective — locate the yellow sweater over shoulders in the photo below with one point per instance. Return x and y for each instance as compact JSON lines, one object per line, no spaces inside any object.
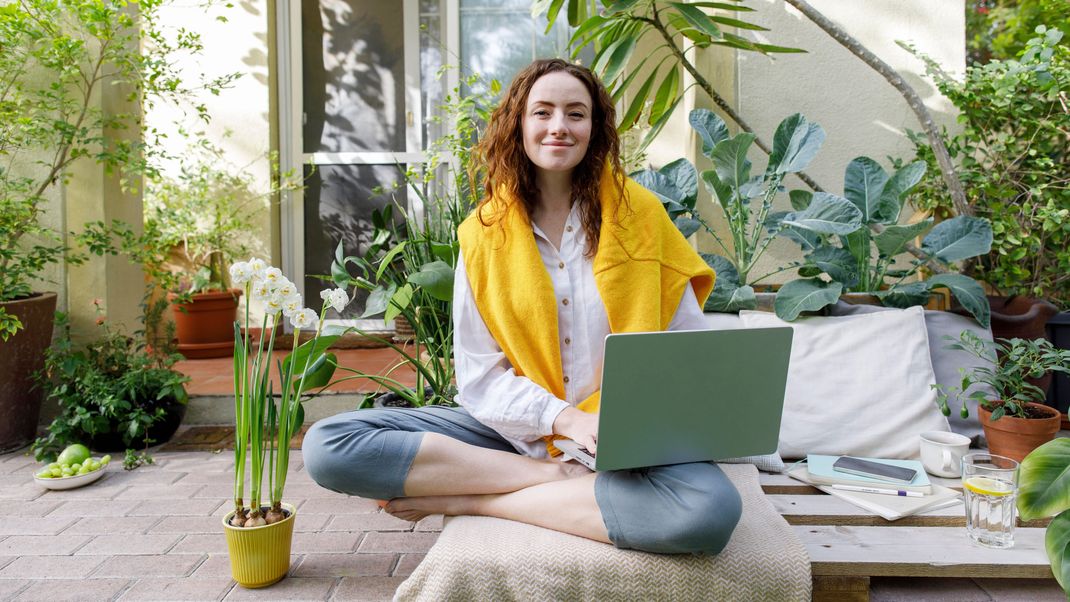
{"x":641,"y":267}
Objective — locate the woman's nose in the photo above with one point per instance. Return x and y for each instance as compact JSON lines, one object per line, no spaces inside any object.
{"x":558,"y":124}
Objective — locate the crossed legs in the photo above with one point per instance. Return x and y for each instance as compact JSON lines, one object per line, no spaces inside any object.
{"x":454,"y":478}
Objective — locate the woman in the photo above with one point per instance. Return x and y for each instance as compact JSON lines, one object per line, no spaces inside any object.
{"x":561,"y":251}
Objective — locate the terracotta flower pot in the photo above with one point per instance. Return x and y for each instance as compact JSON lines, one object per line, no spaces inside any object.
{"x":21,"y":356}
{"x":1016,"y":437}
{"x":205,"y":326}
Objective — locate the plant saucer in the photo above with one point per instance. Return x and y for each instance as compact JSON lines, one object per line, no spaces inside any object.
{"x":71,"y":482}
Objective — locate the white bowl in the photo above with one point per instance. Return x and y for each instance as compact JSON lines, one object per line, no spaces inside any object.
{"x":71,"y":482}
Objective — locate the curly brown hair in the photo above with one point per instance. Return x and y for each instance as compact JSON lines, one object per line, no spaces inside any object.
{"x":509,"y":173}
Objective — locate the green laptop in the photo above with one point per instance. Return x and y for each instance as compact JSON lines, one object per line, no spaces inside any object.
{"x":688,"y":396}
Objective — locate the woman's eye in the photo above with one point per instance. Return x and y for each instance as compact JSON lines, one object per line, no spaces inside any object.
{"x":577,"y":115}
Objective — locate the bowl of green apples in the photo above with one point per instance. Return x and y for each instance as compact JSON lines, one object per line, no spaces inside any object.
{"x":74,"y":468}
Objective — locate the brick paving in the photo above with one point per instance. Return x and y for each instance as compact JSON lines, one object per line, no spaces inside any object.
{"x":155,"y":534}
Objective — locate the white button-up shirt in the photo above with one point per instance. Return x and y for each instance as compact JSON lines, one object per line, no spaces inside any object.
{"x":515,"y":406}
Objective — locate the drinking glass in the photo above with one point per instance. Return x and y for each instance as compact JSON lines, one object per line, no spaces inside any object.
{"x":990,"y":486}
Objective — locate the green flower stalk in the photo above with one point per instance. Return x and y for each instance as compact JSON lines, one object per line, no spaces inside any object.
{"x":264,"y":430}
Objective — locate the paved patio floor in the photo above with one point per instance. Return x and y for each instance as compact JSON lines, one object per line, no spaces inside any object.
{"x":154,"y":534}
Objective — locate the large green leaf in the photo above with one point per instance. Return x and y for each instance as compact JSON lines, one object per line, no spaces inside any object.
{"x":810,"y":294}
{"x":730,"y":160}
{"x":891,"y":241}
{"x":1044,"y":480}
{"x":720,"y":191}
{"x":827,"y":214}
{"x":726,"y":271}
{"x":1057,"y":545}
{"x":729,"y":21}
{"x":384,"y":263}
{"x":436,"y":278}
{"x":401,"y":299}
{"x":838,"y":263}
{"x":661,"y":185}
{"x":709,"y":127}
{"x":890,"y":203}
{"x":959,"y":238}
{"x":296,"y":362}
{"x":863,"y":184}
{"x":731,"y":299}
{"x":617,"y":58}
{"x":795,"y":144}
{"x":686,"y":225}
{"x":318,"y":374}
{"x":967,"y":292}
{"x":683,"y":175}
{"x":905,"y":295}
{"x":379,"y":300}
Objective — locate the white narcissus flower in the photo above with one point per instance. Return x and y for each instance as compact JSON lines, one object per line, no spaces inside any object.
{"x":285,"y":289}
{"x":274,"y":276}
{"x":303,"y":318}
{"x":291,"y":304}
{"x":240,"y":273}
{"x":272,"y":305}
{"x":257,"y":266}
{"x":338,"y":299}
{"x":262,"y":290}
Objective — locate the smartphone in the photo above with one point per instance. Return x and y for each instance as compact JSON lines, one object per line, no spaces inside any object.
{"x":874,"y":470}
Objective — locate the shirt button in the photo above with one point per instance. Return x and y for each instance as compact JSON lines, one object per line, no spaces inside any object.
{"x":566,"y":379}
{"x":564,"y":301}
{"x":568,"y":228}
{"x":561,"y":265}
{"x":568,"y":341}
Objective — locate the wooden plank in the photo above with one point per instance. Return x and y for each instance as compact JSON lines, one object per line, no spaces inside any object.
{"x":920,"y":552}
{"x":830,"y":510}
{"x":839,"y":588}
{"x":783,"y":484}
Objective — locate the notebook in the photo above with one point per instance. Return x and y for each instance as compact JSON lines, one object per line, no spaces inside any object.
{"x":821,"y":473}
{"x":889,"y":507}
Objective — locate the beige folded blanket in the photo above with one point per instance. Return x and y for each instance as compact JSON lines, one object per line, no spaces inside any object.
{"x":481,"y":558}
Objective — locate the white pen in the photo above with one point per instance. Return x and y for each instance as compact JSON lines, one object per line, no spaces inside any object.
{"x":899,"y":492}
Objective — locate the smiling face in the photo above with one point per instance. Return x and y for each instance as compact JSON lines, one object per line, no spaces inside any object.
{"x":557,"y":122}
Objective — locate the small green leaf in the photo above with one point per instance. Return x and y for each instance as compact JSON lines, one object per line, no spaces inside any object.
{"x":700,"y":20}
{"x":635,"y":109}
{"x":401,"y":300}
{"x":800,"y":199}
{"x":838,"y":263}
{"x":730,"y":160}
{"x":378,"y":300}
{"x":891,"y":241}
{"x":683,"y":175}
{"x":666,"y":95}
{"x":863,"y":184}
{"x":795,"y":144}
{"x":436,"y":278}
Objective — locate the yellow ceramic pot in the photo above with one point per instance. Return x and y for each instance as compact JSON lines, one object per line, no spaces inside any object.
{"x":260,"y":556}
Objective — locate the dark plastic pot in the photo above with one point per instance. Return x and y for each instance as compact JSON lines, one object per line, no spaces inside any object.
{"x":20,"y":357}
{"x":161,"y":432}
{"x":1059,"y":335}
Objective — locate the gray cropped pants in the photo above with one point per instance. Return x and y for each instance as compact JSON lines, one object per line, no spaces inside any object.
{"x":682,"y":508}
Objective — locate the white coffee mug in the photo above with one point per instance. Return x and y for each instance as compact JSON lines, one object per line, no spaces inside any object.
{"x":942,"y":452}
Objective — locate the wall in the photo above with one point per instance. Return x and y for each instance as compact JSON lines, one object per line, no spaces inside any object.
{"x":862,"y":114}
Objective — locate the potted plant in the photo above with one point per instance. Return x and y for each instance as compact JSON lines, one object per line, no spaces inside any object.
{"x":850,"y":243}
{"x":115,"y":393}
{"x":259,"y":534}
{"x":204,"y":216}
{"x":56,"y":59}
{"x":870,"y":259}
{"x":745,"y":200}
{"x":1014,"y":420}
{"x":1011,"y":155}
{"x":1043,"y":491}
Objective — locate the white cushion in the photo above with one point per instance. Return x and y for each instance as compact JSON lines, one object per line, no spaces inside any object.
{"x":857,"y":385}
{"x":946,"y":362}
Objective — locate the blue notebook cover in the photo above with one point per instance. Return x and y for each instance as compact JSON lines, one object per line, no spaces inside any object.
{"x":820,"y":469}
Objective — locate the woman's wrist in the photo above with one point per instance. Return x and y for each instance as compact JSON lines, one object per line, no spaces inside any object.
{"x":564,"y":420}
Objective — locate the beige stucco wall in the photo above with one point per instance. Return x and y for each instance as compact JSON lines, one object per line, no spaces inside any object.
{"x":241,"y":122}
{"x":862,"y":114}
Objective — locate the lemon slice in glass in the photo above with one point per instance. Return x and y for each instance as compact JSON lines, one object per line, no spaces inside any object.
{"x":987,"y":486}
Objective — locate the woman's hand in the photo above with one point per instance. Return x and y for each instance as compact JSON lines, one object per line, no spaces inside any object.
{"x":580,"y":426}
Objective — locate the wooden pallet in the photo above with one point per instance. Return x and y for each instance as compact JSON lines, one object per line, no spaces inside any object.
{"x":849,"y":545}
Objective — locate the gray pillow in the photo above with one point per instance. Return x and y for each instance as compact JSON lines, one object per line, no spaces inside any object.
{"x":946,"y":362}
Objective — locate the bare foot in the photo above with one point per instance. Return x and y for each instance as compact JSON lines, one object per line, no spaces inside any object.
{"x":416,"y":508}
